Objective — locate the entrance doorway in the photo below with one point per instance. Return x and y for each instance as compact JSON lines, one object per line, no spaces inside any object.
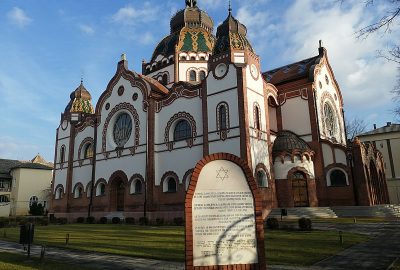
{"x":299,"y":189}
{"x":117,"y":195}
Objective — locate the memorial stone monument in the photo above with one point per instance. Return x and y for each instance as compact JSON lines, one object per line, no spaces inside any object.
{"x":224,"y":227}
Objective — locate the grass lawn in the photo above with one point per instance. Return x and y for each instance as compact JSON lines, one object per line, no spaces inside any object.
{"x":12,"y":261}
{"x":167,"y":243}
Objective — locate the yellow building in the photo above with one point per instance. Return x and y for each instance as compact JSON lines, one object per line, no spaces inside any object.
{"x":387,"y":140}
{"x":23,"y":183}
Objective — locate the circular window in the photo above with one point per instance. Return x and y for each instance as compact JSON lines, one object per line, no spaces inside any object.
{"x":107,"y":106}
{"x":121,"y":91}
{"x":221,"y":70}
{"x":122,"y":129}
{"x":135,"y":96}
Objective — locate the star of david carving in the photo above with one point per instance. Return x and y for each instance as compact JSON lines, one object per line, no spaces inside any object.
{"x":222,"y":174}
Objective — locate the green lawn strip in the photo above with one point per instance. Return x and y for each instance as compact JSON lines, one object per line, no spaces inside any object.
{"x":336,"y":220}
{"x":167,"y":243}
{"x":13,"y":261}
{"x":306,"y":248}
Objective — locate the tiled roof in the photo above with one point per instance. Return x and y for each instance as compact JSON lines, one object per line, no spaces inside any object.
{"x":287,"y":141}
{"x":8,"y":164}
{"x":292,"y":71}
{"x":381,"y":130}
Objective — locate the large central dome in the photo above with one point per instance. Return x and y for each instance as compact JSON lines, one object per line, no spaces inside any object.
{"x":191,"y":30}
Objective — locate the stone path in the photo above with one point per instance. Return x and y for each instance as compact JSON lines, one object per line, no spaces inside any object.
{"x":375,"y":254}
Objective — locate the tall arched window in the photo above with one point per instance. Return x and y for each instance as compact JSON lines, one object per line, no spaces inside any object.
{"x":257,"y":124}
{"x":182,"y":130}
{"x":62,"y":154}
{"x":222,"y":118}
{"x":136,"y":186}
{"x":101,"y":189}
{"x":192,"y":76}
{"x":59,"y":192}
{"x":165,"y":79}
{"x":4,"y":199}
{"x":88,"y":151}
{"x":330,"y":120}
{"x":262,"y":180}
{"x":122,"y":129}
{"x":202,"y":75}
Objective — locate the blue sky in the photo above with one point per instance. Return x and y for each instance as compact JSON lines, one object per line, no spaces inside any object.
{"x":46,"y":46}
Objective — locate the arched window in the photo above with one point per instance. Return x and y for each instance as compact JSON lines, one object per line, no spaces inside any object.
{"x":330,"y":120}
{"x":62,"y":154}
{"x":182,"y":130}
{"x":101,"y":189}
{"x":192,"y":76}
{"x":136,"y":186}
{"x":165,"y":79}
{"x":202,"y":75}
{"x":262,"y":180}
{"x":337,"y":178}
{"x":59,"y":192}
{"x":78,"y":192}
{"x":171,"y":185}
{"x":183,"y":57}
{"x":32,"y":200}
{"x":4,"y":199}
{"x":192,"y":58}
{"x":122,"y":129}
{"x":257,"y":124}
{"x":202,"y":58}
{"x":88,"y":151}
{"x":89,"y":189}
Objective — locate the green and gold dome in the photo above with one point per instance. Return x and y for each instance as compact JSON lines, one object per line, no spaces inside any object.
{"x":81,"y":101}
{"x":191,"y":31}
{"x":231,"y":35}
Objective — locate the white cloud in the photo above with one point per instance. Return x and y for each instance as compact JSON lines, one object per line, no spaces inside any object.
{"x":18,"y":17}
{"x":130,"y":15}
{"x":10,"y":148}
{"x":86,"y":29}
{"x":147,"y":38}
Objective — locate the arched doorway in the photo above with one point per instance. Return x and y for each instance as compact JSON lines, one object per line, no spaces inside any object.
{"x":117,"y":198}
{"x":299,"y":190}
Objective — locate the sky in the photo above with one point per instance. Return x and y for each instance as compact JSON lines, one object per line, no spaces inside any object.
{"x":46,"y":47}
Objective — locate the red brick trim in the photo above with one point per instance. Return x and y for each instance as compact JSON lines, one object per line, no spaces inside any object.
{"x":186,"y":177}
{"x":261,"y":265}
{"x":120,"y":175}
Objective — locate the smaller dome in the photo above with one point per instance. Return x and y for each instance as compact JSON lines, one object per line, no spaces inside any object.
{"x":191,"y":16}
{"x":231,"y":34}
{"x":81,"y":101}
{"x":287,"y":141}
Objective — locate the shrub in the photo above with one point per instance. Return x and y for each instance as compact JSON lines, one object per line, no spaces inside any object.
{"x":178,"y":221}
{"x":272,"y":223}
{"x":80,"y":219}
{"x":130,"y":220}
{"x":159,"y":221}
{"x":116,"y":220}
{"x":143,"y":221}
{"x":103,"y":220}
{"x":305,"y":224}
{"x":90,"y":220}
{"x":36,"y":209}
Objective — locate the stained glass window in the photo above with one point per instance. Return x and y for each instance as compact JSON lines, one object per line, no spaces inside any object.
{"x":122,"y":129}
{"x":202,"y":75}
{"x":88,"y":151}
{"x":222,"y":117}
{"x":192,"y":76}
{"x":330,"y":120}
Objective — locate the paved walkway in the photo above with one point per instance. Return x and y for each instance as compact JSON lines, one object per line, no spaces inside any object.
{"x":375,"y":254}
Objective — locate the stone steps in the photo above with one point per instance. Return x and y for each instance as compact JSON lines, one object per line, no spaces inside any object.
{"x":386,"y":210}
{"x":310,"y":212}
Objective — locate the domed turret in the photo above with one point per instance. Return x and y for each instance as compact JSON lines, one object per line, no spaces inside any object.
{"x":231,"y":35}
{"x":81,"y":101}
{"x":191,"y":30}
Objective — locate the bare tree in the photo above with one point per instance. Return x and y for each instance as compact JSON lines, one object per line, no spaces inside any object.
{"x":355,"y":127}
{"x":385,"y":25}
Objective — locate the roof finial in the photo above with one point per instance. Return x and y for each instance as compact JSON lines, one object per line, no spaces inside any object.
{"x":230,"y":8}
{"x":320,"y":43}
{"x":191,"y":3}
{"x":81,"y":77}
